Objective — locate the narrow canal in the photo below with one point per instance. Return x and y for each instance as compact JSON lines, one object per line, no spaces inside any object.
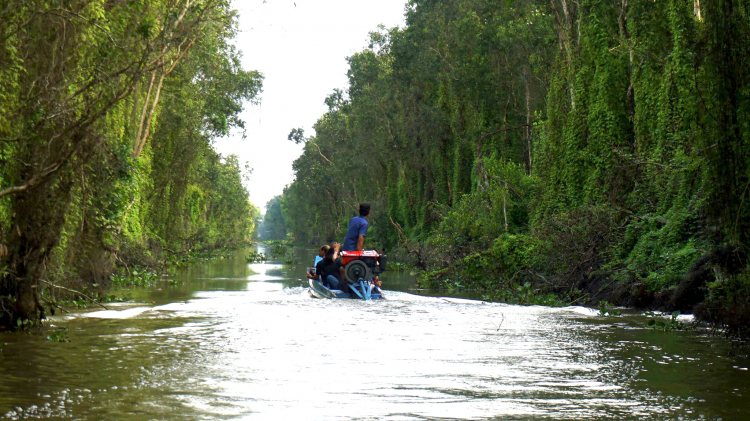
{"x":246,"y":341}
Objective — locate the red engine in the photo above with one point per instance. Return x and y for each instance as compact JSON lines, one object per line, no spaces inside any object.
{"x":364,"y":264}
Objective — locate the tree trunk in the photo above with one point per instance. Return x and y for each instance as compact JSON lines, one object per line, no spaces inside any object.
{"x":527,"y":94}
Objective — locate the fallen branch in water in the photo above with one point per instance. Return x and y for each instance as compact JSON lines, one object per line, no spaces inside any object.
{"x":76,"y":292}
{"x":581,"y":298}
{"x":54,"y":304}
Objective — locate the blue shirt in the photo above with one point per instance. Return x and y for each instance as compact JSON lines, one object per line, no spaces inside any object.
{"x":317,"y":259}
{"x":357,"y":226}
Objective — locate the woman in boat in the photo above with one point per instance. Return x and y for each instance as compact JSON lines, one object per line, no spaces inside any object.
{"x":328,"y":270}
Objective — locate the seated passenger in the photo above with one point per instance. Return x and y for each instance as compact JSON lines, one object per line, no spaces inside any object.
{"x":321,"y":254}
{"x":328,"y":270}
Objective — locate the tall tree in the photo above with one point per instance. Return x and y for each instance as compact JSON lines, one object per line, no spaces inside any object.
{"x":80,"y":89}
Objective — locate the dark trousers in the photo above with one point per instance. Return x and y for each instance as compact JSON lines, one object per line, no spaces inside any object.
{"x":331,"y":282}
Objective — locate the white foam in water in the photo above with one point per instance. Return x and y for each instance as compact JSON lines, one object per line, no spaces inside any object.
{"x":117,"y":314}
{"x":582,"y":310}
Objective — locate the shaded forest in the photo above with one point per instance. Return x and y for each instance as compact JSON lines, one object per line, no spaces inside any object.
{"x":595,"y":150}
{"x":108,"y":109}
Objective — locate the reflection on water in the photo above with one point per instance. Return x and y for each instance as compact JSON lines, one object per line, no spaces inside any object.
{"x":240,"y":341}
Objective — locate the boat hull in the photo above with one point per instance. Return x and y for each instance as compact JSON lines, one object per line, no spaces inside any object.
{"x":364,"y":291}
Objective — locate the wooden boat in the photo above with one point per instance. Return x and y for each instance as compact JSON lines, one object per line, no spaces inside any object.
{"x":362,"y":290}
{"x":361,"y":270}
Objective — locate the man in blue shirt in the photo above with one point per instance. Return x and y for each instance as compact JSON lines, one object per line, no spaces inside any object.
{"x":355,"y":235}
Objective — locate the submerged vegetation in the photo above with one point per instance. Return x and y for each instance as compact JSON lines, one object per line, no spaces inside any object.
{"x":256,"y":257}
{"x":281,"y":250}
{"x":668,"y":324}
{"x":598,"y":151}
{"x":606,"y":309}
{"x":108,"y":114}
{"x":136,"y":277}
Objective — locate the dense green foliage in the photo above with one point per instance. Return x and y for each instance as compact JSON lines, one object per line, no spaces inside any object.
{"x":107,"y":114}
{"x":596,"y":148}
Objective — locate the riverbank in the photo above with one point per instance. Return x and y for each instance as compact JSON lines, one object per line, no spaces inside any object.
{"x":148,"y":272}
{"x":715,"y":289}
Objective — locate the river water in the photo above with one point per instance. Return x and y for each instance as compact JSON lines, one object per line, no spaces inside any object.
{"x":246,"y":341}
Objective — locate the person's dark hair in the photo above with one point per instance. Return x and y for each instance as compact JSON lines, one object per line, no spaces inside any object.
{"x":324,"y":248}
{"x":364,"y":209}
{"x":329,"y":255}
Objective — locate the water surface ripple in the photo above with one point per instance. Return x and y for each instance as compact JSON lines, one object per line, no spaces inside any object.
{"x":247,"y":342}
